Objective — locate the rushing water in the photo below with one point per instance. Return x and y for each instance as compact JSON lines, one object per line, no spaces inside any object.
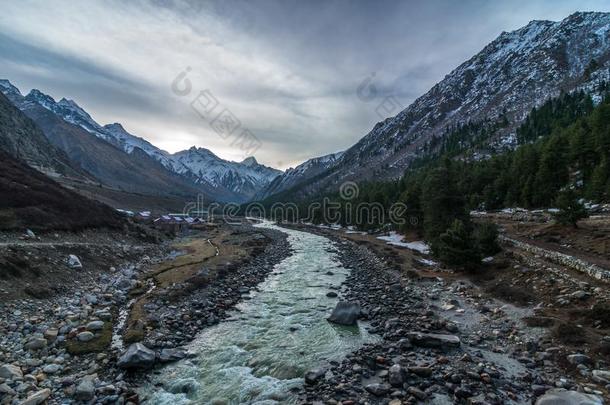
{"x":270,"y":340}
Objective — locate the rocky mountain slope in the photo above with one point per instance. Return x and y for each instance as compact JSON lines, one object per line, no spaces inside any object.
{"x":137,"y":172}
{"x":198,"y":167}
{"x":32,"y":200}
{"x":303,"y":172}
{"x":22,"y":139}
{"x":519,"y":70}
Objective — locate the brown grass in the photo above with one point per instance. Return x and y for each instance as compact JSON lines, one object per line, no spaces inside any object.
{"x":100,"y":343}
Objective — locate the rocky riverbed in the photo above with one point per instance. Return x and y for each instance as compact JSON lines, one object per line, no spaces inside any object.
{"x":60,"y":349}
{"x":443,"y":342}
{"x":440,"y":339}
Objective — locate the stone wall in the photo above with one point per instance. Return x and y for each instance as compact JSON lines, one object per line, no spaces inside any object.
{"x":562,"y":259}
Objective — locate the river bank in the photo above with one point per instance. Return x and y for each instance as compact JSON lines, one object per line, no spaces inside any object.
{"x":443,"y":340}
{"x":224,"y":309}
{"x":271,"y":339}
{"x":65,"y":348}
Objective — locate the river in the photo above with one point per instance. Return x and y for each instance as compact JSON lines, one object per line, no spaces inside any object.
{"x":270,"y":340}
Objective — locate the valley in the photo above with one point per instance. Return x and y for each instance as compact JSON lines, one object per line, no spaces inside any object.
{"x":457,"y":253}
{"x":502,"y":335}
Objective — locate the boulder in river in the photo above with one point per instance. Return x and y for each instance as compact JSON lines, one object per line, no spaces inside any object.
{"x":312,"y":376}
{"x":345,"y":313}
{"x":561,"y":396}
{"x":137,"y":356}
{"x":186,"y":386}
{"x":169,"y":355}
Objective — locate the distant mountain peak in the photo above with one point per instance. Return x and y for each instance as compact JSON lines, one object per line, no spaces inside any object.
{"x":249,"y":161}
{"x":115,"y":126}
{"x":41,"y":98}
{"x":7,"y":86}
{"x":200,"y":165}
{"x":197,"y":150}
{"x":72,"y":106}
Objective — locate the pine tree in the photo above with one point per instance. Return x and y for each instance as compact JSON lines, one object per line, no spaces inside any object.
{"x":413,"y":216}
{"x":570,"y":209}
{"x":456,"y":247}
{"x":600,"y":126}
{"x":596,"y":189}
{"x":486,"y":236}
{"x":442,"y":202}
{"x":552,"y":172}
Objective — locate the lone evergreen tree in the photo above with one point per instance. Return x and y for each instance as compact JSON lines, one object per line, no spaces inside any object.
{"x":570,"y":210}
{"x":456,"y":247}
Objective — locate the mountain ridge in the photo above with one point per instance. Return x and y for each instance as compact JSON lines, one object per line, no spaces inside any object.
{"x":229,"y":181}
{"x":517,"y":71}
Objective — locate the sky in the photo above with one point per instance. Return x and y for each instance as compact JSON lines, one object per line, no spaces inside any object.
{"x":298,"y":79}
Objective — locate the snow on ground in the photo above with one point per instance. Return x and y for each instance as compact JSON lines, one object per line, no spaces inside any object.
{"x":427,"y":262}
{"x":356,"y":232}
{"x":420,"y":246}
{"x":395,"y":239}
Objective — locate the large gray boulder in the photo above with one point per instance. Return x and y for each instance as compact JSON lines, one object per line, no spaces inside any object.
{"x":10,"y":372}
{"x":85,"y":390}
{"x":36,"y":343}
{"x":37,"y":398}
{"x":378,"y":389}
{"x":434,"y":340}
{"x":560,"y":396}
{"x":345,"y":313}
{"x":137,"y":356}
{"x":169,"y":355}
{"x":395,"y":376}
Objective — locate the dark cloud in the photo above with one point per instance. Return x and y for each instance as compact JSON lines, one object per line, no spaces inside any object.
{"x":290,"y":70}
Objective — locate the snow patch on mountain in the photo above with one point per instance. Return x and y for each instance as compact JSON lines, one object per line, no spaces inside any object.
{"x":245,"y":177}
{"x":302,"y":172}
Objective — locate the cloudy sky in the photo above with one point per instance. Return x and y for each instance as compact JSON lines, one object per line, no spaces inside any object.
{"x":296,"y":74}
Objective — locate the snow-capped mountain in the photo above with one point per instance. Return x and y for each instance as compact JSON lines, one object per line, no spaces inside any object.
{"x":69,"y":111}
{"x":11,"y":92}
{"x":119,"y":137}
{"x":303,"y":172}
{"x":199,"y":165}
{"x":244,"y":178}
{"x":519,"y":70}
